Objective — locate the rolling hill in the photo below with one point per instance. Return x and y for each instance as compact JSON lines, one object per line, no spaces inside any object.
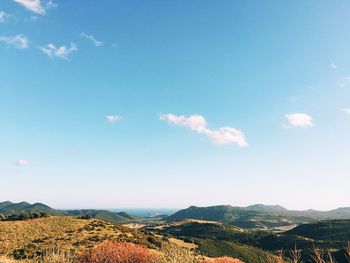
{"x":335,"y":231}
{"x":8,"y":208}
{"x":217,"y":240}
{"x":30,"y":238}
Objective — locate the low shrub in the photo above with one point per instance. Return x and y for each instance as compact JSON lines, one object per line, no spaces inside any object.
{"x":119,"y":252}
{"x":222,"y":260}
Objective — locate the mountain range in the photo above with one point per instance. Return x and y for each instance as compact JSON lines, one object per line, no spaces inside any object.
{"x":258,"y":216}
{"x":8,"y":207}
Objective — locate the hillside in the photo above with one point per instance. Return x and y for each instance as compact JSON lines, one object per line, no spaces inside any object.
{"x":28,"y":238}
{"x":216,"y":239}
{"x":335,"y":231}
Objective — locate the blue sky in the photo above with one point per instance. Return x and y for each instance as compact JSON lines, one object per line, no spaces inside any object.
{"x":175,"y":103}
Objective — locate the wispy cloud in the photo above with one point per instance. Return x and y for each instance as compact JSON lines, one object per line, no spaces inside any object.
{"x":298,"y":120}
{"x":3,"y":16}
{"x":60,"y":52}
{"x":18,"y":41}
{"x":346,"y":110}
{"x":92,"y":39}
{"x":22,"y":162}
{"x":31,"y":18}
{"x":197,"y":123}
{"x":345,"y":82}
{"x":113,"y":118}
{"x":333,"y":65}
{"x":37,"y":6}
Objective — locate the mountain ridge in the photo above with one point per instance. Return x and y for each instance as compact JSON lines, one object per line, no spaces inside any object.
{"x":257,"y":216}
{"x":8,"y":208}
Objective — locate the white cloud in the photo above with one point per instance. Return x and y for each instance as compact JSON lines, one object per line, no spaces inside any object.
{"x":18,"y":41}
{"x":3,"y":16}
{"x":37,"y":6}
{"x":298,"y":120}
{"x":32,"y":5}
{"x":346,"y":110}
{"x":92,"y":39}
{"x":197,"y":123}
{"x":113,"y":118}
{"x":22,"y":163}
{"x":333,"y":65}
{"x":60,"y":52}
{"x":345,"y":82}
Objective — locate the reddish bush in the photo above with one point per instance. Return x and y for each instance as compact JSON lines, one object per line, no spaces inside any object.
{"x":118,"y":252}
{"x":222,"y":260}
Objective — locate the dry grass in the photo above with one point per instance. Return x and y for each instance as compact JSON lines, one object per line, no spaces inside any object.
{"x":65,"y":239}
{"x":182,"y":243}
{"x":33,"y":238}
{"x":6,"y":260}
{"x":53,"y":256}
{"x":175,"y":254}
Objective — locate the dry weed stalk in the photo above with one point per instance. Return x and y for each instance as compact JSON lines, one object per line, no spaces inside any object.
{"x":57,"y":256}
{"x":317,"y":255}
{"x":295,"y":255}
{"x":347,"y":250}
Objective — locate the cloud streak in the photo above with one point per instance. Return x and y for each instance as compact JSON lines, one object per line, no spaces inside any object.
{"x":36,"y":6}
{"x":345,"y":82}
{"x":18,"y":41}
{"x":113,"y":118}
{"x":298,"y":120}
{"x":198,"y":124}
{"x":92,"y":39}
{"x":3,"y":16}
{"x":333,"y":65}
{"x":62,"y":52}
{"x":346,"y":110}
{"x":22,"y":162}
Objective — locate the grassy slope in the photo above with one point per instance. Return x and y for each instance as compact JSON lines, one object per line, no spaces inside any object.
{"x":335,"y":230}
{"x":32,"y":237}
{"x":217,"y":240}
{"x":246,"y":253}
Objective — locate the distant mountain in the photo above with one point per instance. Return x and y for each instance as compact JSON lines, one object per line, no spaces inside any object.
{"x":259,"y":216}
{"x":219,"y":213}
{"x":120,"y":217}
{"x":24,"y":207}
{"x":5,"y":204}
{"x":21,"y":207}
{"x":267,"y":208}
